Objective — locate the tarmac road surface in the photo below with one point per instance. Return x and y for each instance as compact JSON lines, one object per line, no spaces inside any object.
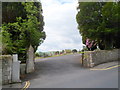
{"x":66,"y":72}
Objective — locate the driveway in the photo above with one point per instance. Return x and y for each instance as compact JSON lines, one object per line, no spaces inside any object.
{"x":67,"y":72}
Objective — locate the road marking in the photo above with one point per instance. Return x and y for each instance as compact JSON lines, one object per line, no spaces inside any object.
{"x":107,"y":68}
{"x":27,"y":84}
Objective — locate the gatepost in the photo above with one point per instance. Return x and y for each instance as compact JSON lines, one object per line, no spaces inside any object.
{"x":30,"y":60}
{"x":16,"y":69}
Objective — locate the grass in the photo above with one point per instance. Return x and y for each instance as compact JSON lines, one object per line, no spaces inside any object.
{"x":53,"y":56}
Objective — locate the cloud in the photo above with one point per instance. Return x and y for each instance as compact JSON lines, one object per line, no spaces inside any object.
{"x":60,"y":25}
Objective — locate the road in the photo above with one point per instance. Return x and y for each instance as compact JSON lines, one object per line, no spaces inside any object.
{"x":66,"y":72}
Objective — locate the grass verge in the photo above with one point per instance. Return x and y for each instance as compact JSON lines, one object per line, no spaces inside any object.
{"x":53,"y":56}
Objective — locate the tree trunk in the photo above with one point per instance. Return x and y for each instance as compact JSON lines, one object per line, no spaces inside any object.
{"x":108,"y":42}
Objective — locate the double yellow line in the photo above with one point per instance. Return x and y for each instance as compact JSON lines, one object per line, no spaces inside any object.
{"x":27,"y":84}
{"x":107,"y":68}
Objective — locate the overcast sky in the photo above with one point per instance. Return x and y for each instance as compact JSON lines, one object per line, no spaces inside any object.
{"x":60,"y":25}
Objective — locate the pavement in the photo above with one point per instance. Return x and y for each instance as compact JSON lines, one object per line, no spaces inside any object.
{"x":67,"y":72}
{"x":106,"y":65}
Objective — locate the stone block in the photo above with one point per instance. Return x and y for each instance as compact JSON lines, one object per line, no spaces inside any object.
{"x":92,"y":58}
{"x":6,"y":68}
{"x":16,"y":72}
{"x":30,"y":60}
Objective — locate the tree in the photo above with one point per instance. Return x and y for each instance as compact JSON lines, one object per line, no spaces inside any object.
{"x":100,"y":24}
{"x":89,"y":22}
{"x":67,"y":50}
{"x":6,"y":41}
{"x":110,"y":24}
{"x":25,"y":27}
{"x":74,"y":51}
{"x":11,"y":10}
{"x":57,"y":53}
{"x":35,"y":36}
{"x":37,"y":54}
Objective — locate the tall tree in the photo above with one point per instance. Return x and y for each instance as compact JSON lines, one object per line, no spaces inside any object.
{"x":23,"y":21}
{"x":100,"y":24}
{"x":110,"y":24}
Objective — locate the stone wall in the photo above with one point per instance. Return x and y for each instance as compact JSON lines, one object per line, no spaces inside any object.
{"x":119,"y":54}
{"x":10,"y":69}
{"x":93,"y":58}
{"x":6,"y":69}
{"x":0,"y":73}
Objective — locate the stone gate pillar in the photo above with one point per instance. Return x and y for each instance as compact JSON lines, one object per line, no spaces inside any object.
{"x":16,"y":69}
{"x":30,"y":60}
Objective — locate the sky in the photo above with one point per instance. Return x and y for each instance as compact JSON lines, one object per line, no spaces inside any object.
{"x":60,"y":26}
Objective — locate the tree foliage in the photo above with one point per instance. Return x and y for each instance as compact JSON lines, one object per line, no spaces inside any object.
{"x":99,"y":21}
{"x":22,"y":27}
{"x":74,"y":51}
